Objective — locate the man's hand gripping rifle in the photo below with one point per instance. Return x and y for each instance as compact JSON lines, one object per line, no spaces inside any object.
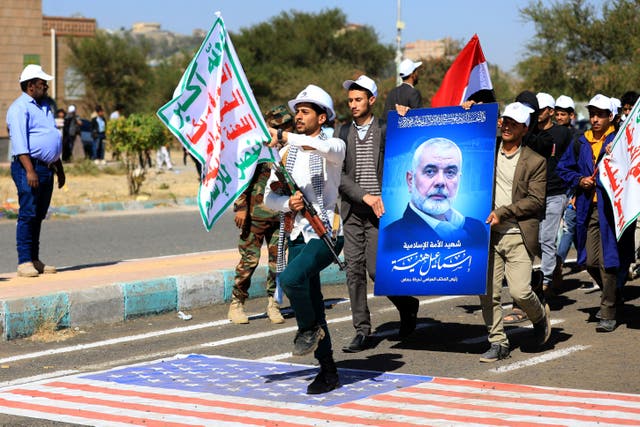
{"x":287,"y":186}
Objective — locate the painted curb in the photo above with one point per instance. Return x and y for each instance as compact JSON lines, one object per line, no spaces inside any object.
{"x":119,"y":206}
{"x":118,"y":302}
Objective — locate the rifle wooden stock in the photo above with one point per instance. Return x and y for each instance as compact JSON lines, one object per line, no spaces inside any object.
{"x":289,"y":187}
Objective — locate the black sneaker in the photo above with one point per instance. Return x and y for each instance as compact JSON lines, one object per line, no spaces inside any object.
{"x":542,"y":330}
{"x":495,"y":353}
{"x":358,"y":343}
{"x":324,"y":382}
{"x":606,"y":325}
{"x":306,"y":342}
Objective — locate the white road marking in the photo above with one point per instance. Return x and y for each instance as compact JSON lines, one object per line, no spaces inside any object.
{"x":193,"y":327}
{"x":276,"y":357}
{"x":539,"y":359}
{"x":516,"y":330}
{"x":113,"y":341}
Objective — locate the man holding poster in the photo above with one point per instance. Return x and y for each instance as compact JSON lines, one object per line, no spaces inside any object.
{"x":314,"y":162}
{"x":520,"y":183}
{"x":362,"y":207}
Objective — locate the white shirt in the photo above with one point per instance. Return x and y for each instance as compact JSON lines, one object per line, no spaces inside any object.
{"x":332,"y":150}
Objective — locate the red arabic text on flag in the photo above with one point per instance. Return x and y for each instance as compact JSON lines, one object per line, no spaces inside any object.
{"x":468,"y":74}
{"x":620,"y":172}
{"x":216,"y":118}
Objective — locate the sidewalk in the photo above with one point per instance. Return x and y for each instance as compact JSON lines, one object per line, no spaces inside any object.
{"x":109,"y":293}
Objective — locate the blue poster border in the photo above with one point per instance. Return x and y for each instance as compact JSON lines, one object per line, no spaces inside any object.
{"x":412,"y":259}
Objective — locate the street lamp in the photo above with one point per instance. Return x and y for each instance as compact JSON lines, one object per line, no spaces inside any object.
{"x":399,"y":28}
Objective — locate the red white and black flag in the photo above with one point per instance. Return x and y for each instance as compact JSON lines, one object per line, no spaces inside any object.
{"x":467,"y":76}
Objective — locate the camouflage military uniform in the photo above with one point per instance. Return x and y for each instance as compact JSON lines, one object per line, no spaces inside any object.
{"x":262,"y":224}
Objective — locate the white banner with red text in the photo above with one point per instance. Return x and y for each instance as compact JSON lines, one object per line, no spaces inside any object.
{"x":216,"y":118}
{"x":620,"y":172}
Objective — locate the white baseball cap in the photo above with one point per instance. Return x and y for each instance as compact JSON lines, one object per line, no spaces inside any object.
{"x":565,"y":103}
{"x":33,"y":71}
{"x":602,"y":102}
{"x":518,"y":112}
{"x":362,"y":81}
{"x":315,"y":95}
{"x":72,"y":108}
{"x":407,"y":67}
{"x":545,"y":100}
{"x":615,"y":105}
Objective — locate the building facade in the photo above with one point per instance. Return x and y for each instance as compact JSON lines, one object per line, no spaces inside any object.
{"x":28,"y":37}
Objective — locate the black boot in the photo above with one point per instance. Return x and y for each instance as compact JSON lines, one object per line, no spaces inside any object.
{"x":327,"y":379}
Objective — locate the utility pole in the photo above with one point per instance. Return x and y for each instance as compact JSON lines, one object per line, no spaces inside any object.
{"x":399,"y":27}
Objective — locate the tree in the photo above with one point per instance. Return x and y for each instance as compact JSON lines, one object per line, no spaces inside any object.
{"x":580,"y":51}
{"x":130,"y":137}
{"x":114,"y":69}
{"x":162,"y":80}
{"x":283,"y":55}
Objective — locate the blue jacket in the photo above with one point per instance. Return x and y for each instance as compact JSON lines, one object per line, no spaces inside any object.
{"x":571,"y":170}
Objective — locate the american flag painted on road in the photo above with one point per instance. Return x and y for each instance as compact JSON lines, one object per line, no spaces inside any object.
{"x":199,"y":390}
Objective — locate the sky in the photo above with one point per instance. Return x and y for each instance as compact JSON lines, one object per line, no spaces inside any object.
{"x":502,"y":31}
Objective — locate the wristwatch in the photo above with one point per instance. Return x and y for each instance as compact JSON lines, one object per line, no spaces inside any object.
{"x":279,"y":136}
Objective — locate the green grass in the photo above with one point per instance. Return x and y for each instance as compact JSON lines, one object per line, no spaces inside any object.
{"x":87,"y":167}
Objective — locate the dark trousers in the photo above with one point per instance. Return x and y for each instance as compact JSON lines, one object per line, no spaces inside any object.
{"x":34,"y":204}
{"x":604,"y":277}
{"x":360,"y":248}
{"x":300,"y":282}
{"x":98,"y":145}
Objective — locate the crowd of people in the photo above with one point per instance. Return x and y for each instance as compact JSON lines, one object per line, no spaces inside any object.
{"x":544,"y":179}
{"x":544,"y":182}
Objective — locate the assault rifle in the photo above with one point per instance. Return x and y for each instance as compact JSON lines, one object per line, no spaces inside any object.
{"x":287,"y":186}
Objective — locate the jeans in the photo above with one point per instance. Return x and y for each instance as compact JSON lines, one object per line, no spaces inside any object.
{"x":34,"y":204}
{"x":568,"y":232}
{"x":300,"y":281}
{"x":549,"y":234}
{"x":98,"y":146}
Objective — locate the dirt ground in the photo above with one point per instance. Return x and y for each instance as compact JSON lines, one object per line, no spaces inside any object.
{"x":89,"y":184}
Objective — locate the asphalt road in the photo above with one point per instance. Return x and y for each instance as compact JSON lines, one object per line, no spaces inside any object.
{"x":93,"y":239}
{"x":447,"y":343}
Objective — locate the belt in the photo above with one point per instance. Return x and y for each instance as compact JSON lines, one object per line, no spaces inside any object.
{"x":40,"y":162}
{"x":34,"y":161}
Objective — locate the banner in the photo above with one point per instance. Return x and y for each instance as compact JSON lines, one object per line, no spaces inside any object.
{"x":437,"y":191}
{"x":216,"y":118}
{"x":620,"y":172}
{"x":468,"y":74}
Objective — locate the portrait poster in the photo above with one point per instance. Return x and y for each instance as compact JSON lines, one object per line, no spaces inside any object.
{"x":418,"y":253}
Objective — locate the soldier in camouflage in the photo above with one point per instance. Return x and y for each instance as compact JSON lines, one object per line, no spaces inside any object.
{"x":257,"y":224}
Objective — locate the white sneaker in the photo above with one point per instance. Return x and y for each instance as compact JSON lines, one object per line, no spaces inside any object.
{"x":26,"y":269}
